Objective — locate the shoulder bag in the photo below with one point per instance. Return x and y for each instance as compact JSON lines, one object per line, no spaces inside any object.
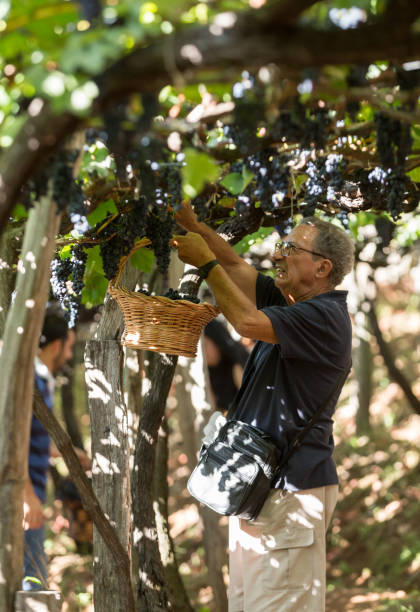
{"x":236,"y":471}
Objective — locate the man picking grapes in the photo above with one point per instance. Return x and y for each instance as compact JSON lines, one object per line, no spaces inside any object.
{"x":303,"y":333}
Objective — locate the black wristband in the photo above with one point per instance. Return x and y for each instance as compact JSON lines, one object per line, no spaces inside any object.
{"x":203,"y":271}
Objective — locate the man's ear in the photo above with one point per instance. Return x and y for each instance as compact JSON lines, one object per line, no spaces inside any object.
{"x":324,"y":268}
{"x":56,"y":347}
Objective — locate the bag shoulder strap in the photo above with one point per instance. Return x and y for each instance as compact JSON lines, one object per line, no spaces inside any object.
{"x":314,"y":418}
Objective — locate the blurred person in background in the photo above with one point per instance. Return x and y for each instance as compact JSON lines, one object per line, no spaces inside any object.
{"x":55,"y":349}
{"x":226,"y":360}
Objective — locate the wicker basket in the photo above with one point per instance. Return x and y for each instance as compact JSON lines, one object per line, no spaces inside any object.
{"x":157,"y":323}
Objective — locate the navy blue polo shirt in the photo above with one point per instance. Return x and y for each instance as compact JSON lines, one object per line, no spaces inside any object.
{"x":286,"y":382}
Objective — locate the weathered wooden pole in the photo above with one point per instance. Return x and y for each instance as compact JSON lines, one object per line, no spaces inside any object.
{"x":20,"y":343}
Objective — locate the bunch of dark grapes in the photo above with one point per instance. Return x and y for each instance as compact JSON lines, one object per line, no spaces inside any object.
{"x":173,"y":294}
{"x":119,"y":236}
{"x":246,"y":117}
{"x":34,"y":189}
{"x":373,"y":185}
{"x":285,"y":227}
{"x":315,"y":130}
{"x":325,"y":179}
{"x":316,"y":186}
{"x":395,"y":194}
{"x":342,"y":216}
{"x":271,"y":177}
{"x":78,"y":260}
{"x":67,"y":282}
{"x":333,"y":173}
{"x":244,"y":202}
{"x":60,"y":272}
{"x":200,"y":206}
{"x":286,"y":128}
{"x":67,"y":193}
{"x":393,"y":141}
{"x":355,"y":78}
{"x":385,"y":229}
{"x":159,"y":229}
{"x":388,"y":134}
{"x":174,"y":186}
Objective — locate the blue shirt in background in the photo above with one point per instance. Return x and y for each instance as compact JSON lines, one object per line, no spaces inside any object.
{"x":39,"y":447}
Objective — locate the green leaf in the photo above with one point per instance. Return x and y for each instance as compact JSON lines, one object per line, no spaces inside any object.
{"x":243,"y":245}
{"x":233,"y":182}
{"x":19,"y":212}
{"x":93,"y":264}
{"x":198,"y":170}
{"x":65,"y":251}
{"x":236,"y":182}
{"x":95,"y":283}
{"x":414,"y":174}
{"x":143,"y":260}
{"x":101,"y":211}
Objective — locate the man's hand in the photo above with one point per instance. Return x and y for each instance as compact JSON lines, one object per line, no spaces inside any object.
{"x":186,"y":217}
{"x":193,"y":249}
{"x":33,"y":516}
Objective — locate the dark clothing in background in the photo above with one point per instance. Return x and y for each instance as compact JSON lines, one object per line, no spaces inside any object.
{"x":39,"y":449}
{"x":221,"y":375}
{"x":287,"y":382}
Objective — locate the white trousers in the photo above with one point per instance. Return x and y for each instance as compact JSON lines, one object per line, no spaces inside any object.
{"x":277,"y":562}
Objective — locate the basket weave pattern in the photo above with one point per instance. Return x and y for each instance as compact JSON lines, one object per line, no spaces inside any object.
{"x":157,"y":323}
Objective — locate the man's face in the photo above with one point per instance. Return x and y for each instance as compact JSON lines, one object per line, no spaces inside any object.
{"x":296,"y":274}
{"x":64,"y":351}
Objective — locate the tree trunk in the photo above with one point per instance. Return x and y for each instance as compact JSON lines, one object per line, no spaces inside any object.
{"x":152,"y":594}
{"x":20,"y":342}
{"x":110,"y":446}
{"x":363,"y":367}
{"x":110,"y":471}
{"x":176,"y":588}
{"x":10,"y":244}
{"x":362,"y":289}
{"x":394,"y":372}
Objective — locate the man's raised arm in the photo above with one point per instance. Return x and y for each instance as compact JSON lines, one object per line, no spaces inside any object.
{"x":241,"y":273}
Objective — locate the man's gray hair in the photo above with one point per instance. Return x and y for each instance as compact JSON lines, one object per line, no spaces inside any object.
{"x":335,"y":244}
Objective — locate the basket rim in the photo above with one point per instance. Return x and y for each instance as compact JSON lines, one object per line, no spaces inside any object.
{"x":161,"y":299}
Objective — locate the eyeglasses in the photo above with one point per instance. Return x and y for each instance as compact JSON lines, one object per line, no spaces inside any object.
{"x":286,"y":249}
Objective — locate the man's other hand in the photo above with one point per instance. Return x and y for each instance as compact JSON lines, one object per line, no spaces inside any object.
{"x":33,"y":516}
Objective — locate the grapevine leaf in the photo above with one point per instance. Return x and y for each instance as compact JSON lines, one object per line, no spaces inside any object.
{"x":95,"y":293}
{"x":95,"y":283}
{"x":93,"y":263}
{"x":236,"y":182}
{"x":257,"y":237}
{"x":143,"y":260}
{"x":247,"y":176}
{"x":233,"y":182}
{"x":101,"y":211}
{"x":414,"y":175}
{"x":199,"y":168}
{"x":65,"y":251}
{"x":19,"y":212}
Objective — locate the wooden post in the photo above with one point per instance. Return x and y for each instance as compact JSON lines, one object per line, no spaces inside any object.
{"x":110,"y":449}
{"x":20,"y":343}
{"x":38,"y":601}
